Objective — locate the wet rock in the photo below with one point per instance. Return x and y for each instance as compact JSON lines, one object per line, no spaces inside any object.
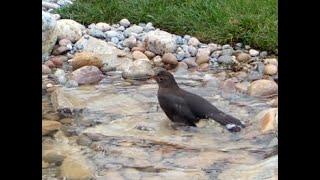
{"x":181,"y":68}
{"x":51,"y":116}
{"x":204,"y":67}
{"x":84,"y":140}
{"x":86,"y":59}
{"x":149,"y":54}
{"x":193,"y":42}
{"x":107,"y":52}
{"x":243,"y":57}
{"x":169,"y":58}
{"x":49,"y":127}
{"x":139,"y":55}
{"x":253,"y":52}
{"x":263,"y":88}
{"x":65,"y":104}
{"x":133,"y":29}
{"x":49,"y":34}
{"x":69,"y":29}
{"x":140,"y":69}
{"x":242,"y":87}
{"x":269,"y":121}
{"x":52,"y":156}
{"x":160,"y":42}
{"x":266,"y":169}
{"x":270,"y":69}
{"x":76,"y":168}
{"x":45,"y":69}
{"x":228,"y":86}
{"x":71,"y":83}
{"x":191,"y":62}
{"x":66,"y":121}
{"x":87,"y":75}
{"x":254,"y":75}
{"x":124,"y":22}
{"x":61,"y":76}
{"x":130,"y":42}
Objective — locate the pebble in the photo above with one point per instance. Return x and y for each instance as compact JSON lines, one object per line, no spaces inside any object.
{"x":226,"y":46}
{"x":202,"y":59}
{"x":243,"y":57}
{"x":103,"y":26}
{"x":139,"y":55}
{"x":263,"y":54}
{"x":87,"y":75}
{"x":227,"y":51}
{"x":60,"y":74}
{"x":71,"y":83}
{"x":192,"y":50}
{"x":85,"y":59}
{"x":193,"y":42}
{"x":247,"y":47}
{"x":84,"y":140}
{"x":97,"y":33}
{"x":253,"y":52}
{"x":149,"y":54}
{"x":53,"y":157}
{"x":58,"y":60}
{"x":124,"y":22}
{"x":204,"y":67}
{"x":49,"y":127}
{"x":157,"y":60}
{"x":130,"y":42}
{"x":169,"y":58}
{"x":64,"y":42}
{"x":191,"y":62}
{"x":60,"y":50}
{"x":115,"y":40}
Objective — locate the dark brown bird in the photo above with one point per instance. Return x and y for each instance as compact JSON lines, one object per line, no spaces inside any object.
{"x":186,"y":108}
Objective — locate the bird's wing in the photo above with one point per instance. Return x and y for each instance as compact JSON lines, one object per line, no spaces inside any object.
{"x":198,"y":105}
{"x":176,"y":106}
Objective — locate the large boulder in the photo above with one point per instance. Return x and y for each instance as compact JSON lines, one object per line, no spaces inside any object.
{"x":49,"y":35}
{"x":160,"y":42}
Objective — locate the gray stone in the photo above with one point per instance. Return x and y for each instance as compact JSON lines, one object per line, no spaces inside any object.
{"x":140,"y":69}
{"x":192,"y":50}
{"x":133,"y":29}
{"x":97,"y":33}
{"x":225,"y":59}
{"x":228,"y":51}
{"x":226,"y":46}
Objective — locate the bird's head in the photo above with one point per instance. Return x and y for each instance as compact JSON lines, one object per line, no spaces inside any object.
{"x":164,"y":78}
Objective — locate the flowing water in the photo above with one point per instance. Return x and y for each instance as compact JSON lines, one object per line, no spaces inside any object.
{"x":131,"y":138}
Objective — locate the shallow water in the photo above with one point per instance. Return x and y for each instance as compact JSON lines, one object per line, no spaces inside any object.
{"x":133,"y":139}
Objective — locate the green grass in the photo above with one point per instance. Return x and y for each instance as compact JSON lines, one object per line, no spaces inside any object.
{"x":253,"y":22}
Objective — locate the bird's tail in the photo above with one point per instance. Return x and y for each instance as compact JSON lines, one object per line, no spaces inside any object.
{"x":231,"y":123}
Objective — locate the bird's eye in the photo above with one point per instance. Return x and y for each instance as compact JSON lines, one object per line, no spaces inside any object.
{"x":160,"y":78}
